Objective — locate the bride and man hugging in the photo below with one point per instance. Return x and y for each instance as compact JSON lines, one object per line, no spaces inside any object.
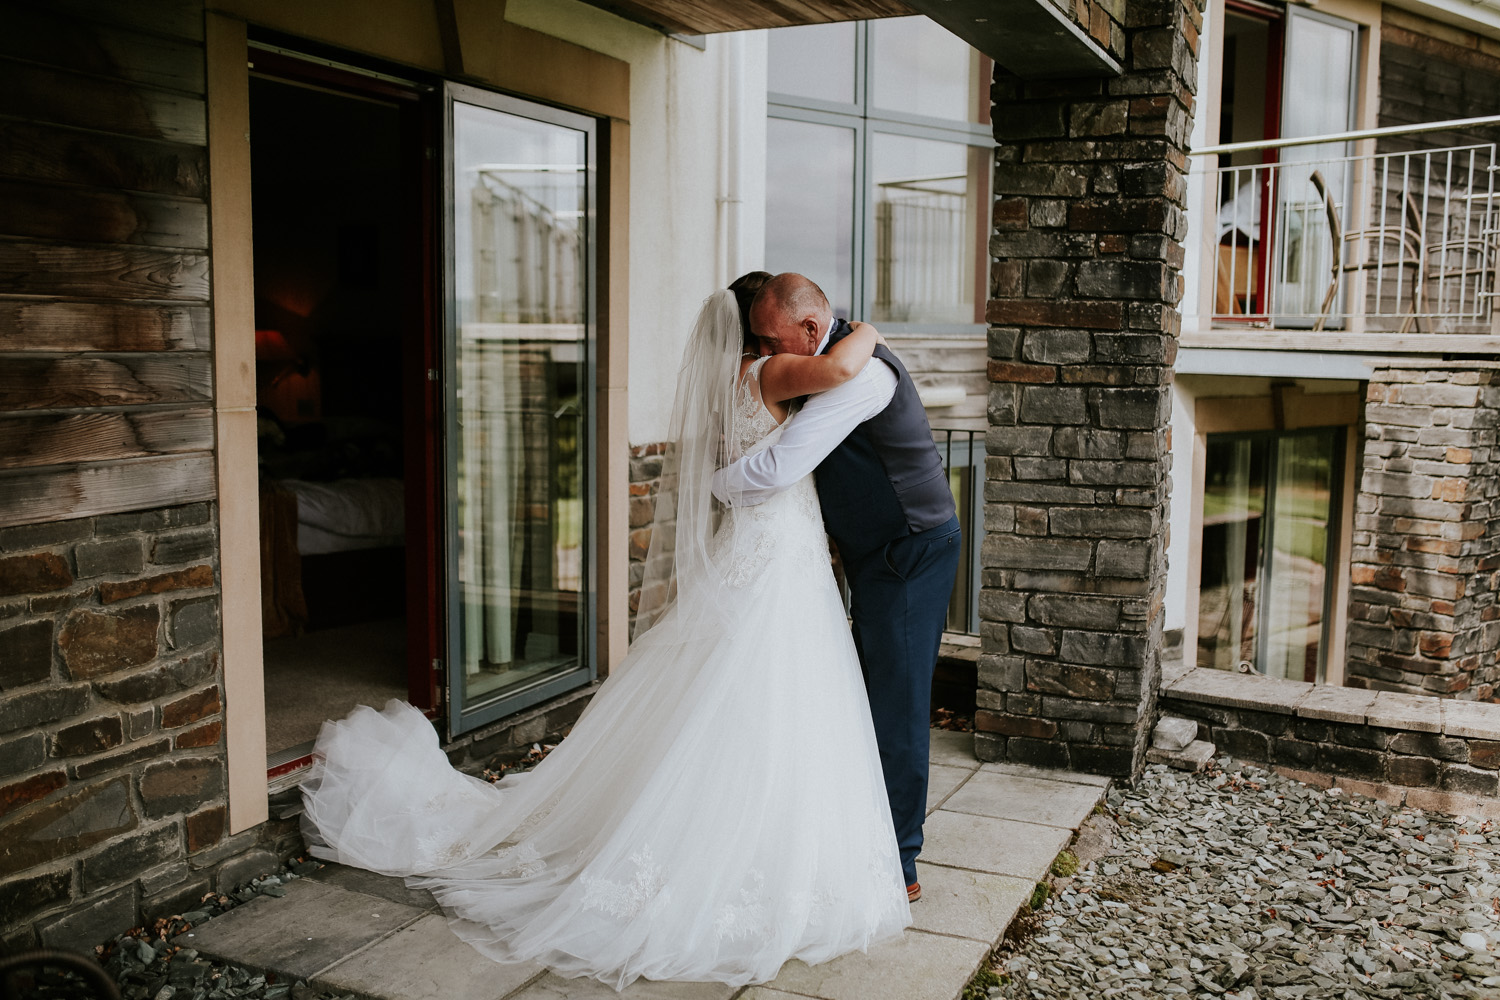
{"x":749,"y":784}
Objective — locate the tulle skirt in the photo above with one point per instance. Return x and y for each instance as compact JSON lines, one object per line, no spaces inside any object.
{"x":718,"y":809}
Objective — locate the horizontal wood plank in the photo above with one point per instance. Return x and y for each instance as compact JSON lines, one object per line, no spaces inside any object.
{"x":102,"y":272}
{"x":61,"y":213}
{"x":41,"y":94}
{"x":38,"y":152}
{"x":31,"y":496}
{"x":179,"y":18}
{"x":27,"y":325}
{"x":49,"y":36}
{"x":60,"y":383}
{"x":26,"y":442}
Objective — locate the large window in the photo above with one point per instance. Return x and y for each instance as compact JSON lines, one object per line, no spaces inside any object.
{"x":521,"y":195}
{"x":878,"y":162}
{"x":1269,"y":503}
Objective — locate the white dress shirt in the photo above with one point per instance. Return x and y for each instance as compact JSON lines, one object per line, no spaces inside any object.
{"x":810,"y":435}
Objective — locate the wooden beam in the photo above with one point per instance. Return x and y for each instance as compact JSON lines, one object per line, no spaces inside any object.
{"x":698,"y":17}
{"x":60,"y":326}
{"x":65,"y":98}
{"x":37,"y":152}
{"x":50,"y":211}
{"x":102,"y":272}
{"x":63,"y":383}
{"x":31,"y":496}
{"x":91,"y":437}
{"x":53,"y":38}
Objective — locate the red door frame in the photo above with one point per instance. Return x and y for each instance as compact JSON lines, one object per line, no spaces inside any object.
{"x":1275,"y":21}
{"x":421,"y":413}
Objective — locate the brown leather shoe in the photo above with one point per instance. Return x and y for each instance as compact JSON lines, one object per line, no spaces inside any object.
{"x":914,"y":892}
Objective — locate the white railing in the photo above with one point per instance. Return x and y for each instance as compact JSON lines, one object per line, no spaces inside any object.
{"x":1327,"y":238}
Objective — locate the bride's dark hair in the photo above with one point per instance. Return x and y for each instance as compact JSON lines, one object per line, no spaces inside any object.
{"x":745,"y":288}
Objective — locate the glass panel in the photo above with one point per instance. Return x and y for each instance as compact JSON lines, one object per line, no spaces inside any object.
{"x":814,"y":60}
{"x":921,"y":68}
{"x":926,"y":207}
{"x":1234,"y":496}
{"x":810,"y":206}
{"x":519,"y":203}
{"x":1300,"y":505}
{"x":1318,"y":99}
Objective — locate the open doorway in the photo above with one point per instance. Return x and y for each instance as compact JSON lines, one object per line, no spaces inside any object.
{"x":339,"y":290}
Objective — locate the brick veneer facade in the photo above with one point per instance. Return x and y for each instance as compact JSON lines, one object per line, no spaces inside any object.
{"x":1101,"y":20}
{"x":112,"y":797}
{"x":645,"y":480}
{"x":1423,"y":615}
{"x":1089,"y":186}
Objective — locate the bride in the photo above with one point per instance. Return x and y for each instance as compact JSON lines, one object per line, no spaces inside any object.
{"x":719,"y":808}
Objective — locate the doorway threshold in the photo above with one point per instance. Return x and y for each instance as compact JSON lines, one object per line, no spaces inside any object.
{"x":289,"y":764}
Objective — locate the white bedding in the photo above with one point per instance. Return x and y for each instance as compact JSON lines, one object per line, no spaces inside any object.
{"x":348,"y":514}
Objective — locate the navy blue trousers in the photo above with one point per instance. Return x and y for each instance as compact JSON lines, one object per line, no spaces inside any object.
{"x":900,"y":596}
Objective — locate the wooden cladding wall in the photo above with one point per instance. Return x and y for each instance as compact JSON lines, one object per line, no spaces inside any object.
{"x":106,"y":387}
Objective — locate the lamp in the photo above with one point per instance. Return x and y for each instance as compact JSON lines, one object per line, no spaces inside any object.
{"x":272,"y":345}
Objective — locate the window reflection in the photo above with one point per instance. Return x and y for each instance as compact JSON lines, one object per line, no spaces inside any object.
{"x":1267,"y":505}
{"x":810,"y":205}
{"x":814,"y":60}
{"x":519,"y":201}
{"x":918,"y":67}
{"x":926,"y":211}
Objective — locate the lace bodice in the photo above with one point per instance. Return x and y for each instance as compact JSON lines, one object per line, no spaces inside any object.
{"x":784,"y":527}
{"x":757,"y":427}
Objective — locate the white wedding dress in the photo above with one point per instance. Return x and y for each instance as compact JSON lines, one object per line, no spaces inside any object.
{"x":718,"y":809}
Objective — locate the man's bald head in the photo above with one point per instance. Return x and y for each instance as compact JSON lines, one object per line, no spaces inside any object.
{"x":790,"y":315}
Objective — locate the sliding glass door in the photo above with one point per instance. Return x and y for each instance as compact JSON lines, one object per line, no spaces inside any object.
{"x":518,"y":382}
{"x":1268,"y":505}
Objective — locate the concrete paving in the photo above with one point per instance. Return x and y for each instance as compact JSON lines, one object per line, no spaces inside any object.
{"x":992,"y":831}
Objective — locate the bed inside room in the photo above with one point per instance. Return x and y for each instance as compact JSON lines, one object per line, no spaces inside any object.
{"x":329,"y":302}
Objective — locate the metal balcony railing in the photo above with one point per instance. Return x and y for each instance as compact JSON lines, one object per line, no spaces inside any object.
{"x":1310,"y":233}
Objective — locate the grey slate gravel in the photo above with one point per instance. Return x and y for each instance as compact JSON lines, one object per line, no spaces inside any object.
{"x":1239,"y":884}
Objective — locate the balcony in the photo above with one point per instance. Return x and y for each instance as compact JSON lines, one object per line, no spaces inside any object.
{"x":1373,"y":240}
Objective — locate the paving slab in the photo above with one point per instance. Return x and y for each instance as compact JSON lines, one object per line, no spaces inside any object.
{"x":1047,"y":774}
{"x":974,"y":905}
{"x":384,"y":886}
{"x":918,"y":966}
{"x":1234,"y":690}
{"x":313,"y":926}
{"x":942,"y":781}
{"x":953,"y":749}
{"x":426,"y":959}
{"x":1337,"y":704}
{"x":1393,"y":710}
{"x":1030,"y":800}
{"x":998,"y":846}
{"x":555,"y":987}
{"x":1472,"y":720}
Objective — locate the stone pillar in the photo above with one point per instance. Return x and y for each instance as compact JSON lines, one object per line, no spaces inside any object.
{"x":1423,"y":616}
{"x":1090,"y":183}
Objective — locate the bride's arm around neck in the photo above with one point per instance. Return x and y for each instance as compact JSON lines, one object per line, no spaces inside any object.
{"x":787,"y":376}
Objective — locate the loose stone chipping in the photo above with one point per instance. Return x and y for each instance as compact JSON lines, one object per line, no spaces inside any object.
{"x":1241,"y":884}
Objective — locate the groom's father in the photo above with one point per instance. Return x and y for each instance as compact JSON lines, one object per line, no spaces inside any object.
{"x":887,"y":504}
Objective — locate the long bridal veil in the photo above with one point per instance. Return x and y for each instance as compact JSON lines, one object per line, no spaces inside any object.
{"x":681,"y":567}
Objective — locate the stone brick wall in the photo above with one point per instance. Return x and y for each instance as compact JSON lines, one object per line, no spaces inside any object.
{"x":645,"y":480}
{"x":1101,"y":20}
{"x":112,"y":799}
{"x":1088,"y":222}
{"x":1423,"y":615}
{"x":1361,"y":738}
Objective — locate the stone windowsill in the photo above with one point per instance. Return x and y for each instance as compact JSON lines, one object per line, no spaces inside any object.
{"x":1385,"y":709}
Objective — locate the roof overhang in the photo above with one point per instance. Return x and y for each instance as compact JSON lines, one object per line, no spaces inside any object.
{"x":1031,"y":38}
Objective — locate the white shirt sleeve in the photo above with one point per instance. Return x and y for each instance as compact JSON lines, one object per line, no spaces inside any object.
{"x":810,"y":434}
